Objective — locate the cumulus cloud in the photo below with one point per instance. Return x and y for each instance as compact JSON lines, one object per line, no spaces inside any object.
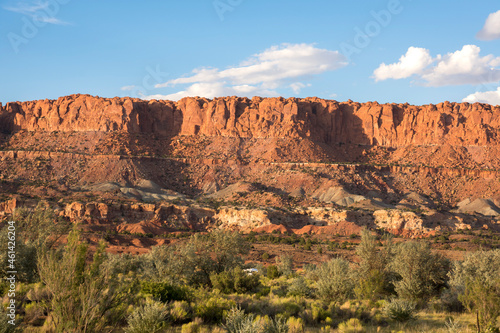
{"x":413,"y":62}
{"x":490,"y":97}
{"x":214,"y":89}
{"x":491,"y":29}
{"x":464,"y":66}
{"x":280,"y":66}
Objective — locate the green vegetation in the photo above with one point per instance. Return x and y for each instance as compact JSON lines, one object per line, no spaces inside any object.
{"x":202,"y":284}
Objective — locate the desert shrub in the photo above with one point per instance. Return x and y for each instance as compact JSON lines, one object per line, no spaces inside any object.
{"x":289,"y":309}
{"x":234,"y":281}
{"x":265,"y":256}
{"x":306,"y":316}
{"x":374,"y":276}
{"x":123,"y":263}
{"x":180,"y":311}
{"x":84,"y":296}
{"x":279,"y":288}
{"x":325,"y":329}
{"x":165,"y":292}
{"x":40,"y":227}
{"x":335,"y":281}
{"x":38,"y":293}
{"x":35,"y":232}
{"x":33,"y":311}
{"x":150,"y":317}
{"x":236,"y":321}
{"x":400,"y":310}
{"x":284,"y":263}
{"x":192,"y":327}
{"x":263,"y":291}
{"x":192,"y":262}
{"x":450,"y":301}
{"x":298,"y":287}
{"x":211,"y":307}
{"x":319,"y":313}
{"x":421,"y":273}
{"x":309,"y":267}
{"x":25,"y":261}
{"x":276,"y":325}
{"x":353,"y":325}
{"x":295,"y":325}
{"x":476,"y":280}
{"x":5,"y":325}
{"x":273,"y":272}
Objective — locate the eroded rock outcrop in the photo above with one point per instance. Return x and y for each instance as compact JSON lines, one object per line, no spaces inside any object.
{"x":324,"y":121}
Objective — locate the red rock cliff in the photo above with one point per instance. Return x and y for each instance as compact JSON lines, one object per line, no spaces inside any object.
{"x":321,"y":120}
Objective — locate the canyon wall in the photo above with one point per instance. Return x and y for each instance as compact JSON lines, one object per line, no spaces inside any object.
{"x":323,"y":121}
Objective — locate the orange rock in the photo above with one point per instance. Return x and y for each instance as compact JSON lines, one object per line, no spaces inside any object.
{"x":320,"y":120}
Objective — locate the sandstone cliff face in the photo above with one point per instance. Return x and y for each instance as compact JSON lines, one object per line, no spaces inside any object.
{"x":320,"y":120}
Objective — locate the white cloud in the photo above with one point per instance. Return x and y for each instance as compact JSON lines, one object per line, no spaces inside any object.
{"x":298,"y":86}
{"x":490,"y":97}
{"x":128,"y":88}
{"x":413,"y":62}
{"x":23,"y":8}
{"x":464,"y":66}
{"x":214,"y":89}
{"x":278,"y":67}
{"x":38,"y":10}
{"x":491,"y":29}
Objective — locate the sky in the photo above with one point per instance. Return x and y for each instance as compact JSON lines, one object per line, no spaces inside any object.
{"x":389,"y":51}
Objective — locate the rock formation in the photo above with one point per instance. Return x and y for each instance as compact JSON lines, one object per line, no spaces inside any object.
{"x":331,"y":164}
{"x":320,"y":120}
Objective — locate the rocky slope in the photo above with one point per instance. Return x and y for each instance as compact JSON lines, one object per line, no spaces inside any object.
{"x":153,"y":166}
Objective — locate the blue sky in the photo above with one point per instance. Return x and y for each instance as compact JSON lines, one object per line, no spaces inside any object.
{"x":399,"y":51}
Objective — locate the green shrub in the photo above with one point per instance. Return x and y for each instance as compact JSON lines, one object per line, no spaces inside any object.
{"x":150,"y":317}
{"x":335,"y":281}
{"x":5,"y":326}
{"x":164,"y":291}
{"x":295,"y":325}
{"x":192,"y":327}
{"x":180,"y":311}
{"x":284,"y":263}
{"x":290,"y":309}
{"x":400,"y":310}
{"x":374,"y":276}
{"x":353,"y":325}
{"x":211,"y":309}
{"x":35,"y":232}
{"x":276,"y":325}
{"x":84,"y":296}
{"x":123,"y":263}
{"x":192,"y":262}
{"x":236,"y":321}
{"x":265,"y":256}
{"x":298,"y":287}
{"x":273,"y":272}
{"x":33,"y":312}
{"x":421,"y":273}
{"x":280,"y":289}
{"x":319,"y":313}
{"x":476,"y":281}
{"x":235,"y":281}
